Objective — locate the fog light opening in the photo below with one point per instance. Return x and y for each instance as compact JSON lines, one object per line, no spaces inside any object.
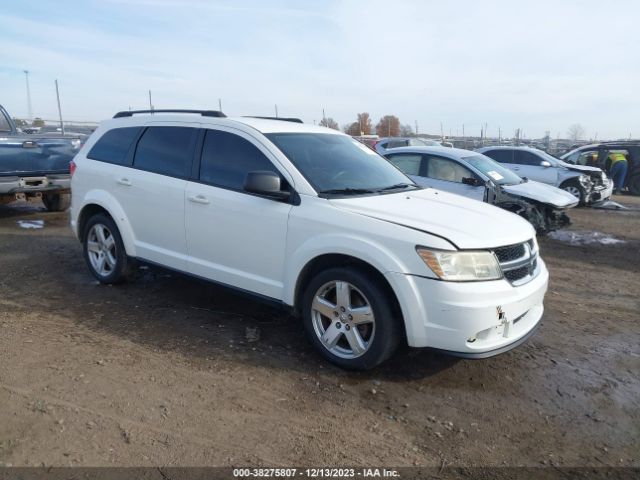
{"x":471,"y":340}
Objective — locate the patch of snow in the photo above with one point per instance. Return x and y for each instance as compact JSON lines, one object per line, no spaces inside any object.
{"x":584,"y":238}
{"x":31,"y":223}
{"x":610,"y":205}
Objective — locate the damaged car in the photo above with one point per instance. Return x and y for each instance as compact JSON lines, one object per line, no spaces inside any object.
{"x":476,"y":176}
{"x":588,"y":184}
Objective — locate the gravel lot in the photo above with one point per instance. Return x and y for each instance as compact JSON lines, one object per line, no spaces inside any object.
{"x":173,"y":371}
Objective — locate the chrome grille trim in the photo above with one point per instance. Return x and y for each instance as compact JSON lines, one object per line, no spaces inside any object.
{"x":522,"y":269}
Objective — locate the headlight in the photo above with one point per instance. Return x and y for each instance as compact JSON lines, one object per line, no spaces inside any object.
{"x":76,"y":143}
{"x":461,"y":266}
{"x":584,"y":180}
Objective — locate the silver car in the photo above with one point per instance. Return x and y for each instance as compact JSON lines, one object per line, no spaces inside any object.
{"x":588,"y":184}
{"x":476,"y":176}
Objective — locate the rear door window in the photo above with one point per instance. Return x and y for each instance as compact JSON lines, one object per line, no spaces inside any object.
{"x":166,"y":150}
{"x":500,"y":155}
{"x":114,"y":145}
{"x":522,"y":157}
{"x":227,"y":158}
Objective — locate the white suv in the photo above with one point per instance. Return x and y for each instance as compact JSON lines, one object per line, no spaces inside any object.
{"x":313,"y":220}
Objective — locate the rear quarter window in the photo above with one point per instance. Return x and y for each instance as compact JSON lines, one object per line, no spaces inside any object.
{"x":114,"y":145}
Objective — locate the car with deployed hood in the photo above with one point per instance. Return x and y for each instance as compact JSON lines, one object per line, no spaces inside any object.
{"x":476,"y":176}
{"x":588,"y":184}
{"x":311,"y":220}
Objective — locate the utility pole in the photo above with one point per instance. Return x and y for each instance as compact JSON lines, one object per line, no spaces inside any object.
{"x":499,"y":135}
{"x":276,"y":111}
{"x":416,"y":127}
{"x":150,"y":104}
{"x":59,"y":109}
{"x":219,"y":104}
{"x":29,"y":109}
{"x":389,"y":126}
{"x":441,"y":132}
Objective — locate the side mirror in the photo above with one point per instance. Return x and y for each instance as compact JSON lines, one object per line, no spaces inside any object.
{"x":474,"y":182}
{"x":265,"y":183}
{"x":545,"y":164}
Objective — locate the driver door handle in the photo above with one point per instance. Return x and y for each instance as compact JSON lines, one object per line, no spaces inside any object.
{"x":124,"y":181}
{"x":199,"y":199}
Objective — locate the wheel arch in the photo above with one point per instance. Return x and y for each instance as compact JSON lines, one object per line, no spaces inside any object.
{"x":332,"y":260}
{"x":100,"y":202}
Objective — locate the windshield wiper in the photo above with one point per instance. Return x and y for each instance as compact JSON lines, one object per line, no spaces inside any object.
{"x":397,"y":186}
{"x":347,"y":191}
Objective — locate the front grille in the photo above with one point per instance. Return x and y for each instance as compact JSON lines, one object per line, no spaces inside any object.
{"x":516,"y":274}
{"x":512,"y":252}
{"x":518,"y":262}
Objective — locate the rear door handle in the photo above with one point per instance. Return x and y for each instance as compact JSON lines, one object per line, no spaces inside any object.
{"x":124,"y":181}
{"x":199,"y":199}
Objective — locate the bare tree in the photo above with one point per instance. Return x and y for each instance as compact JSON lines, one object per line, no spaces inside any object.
{"x":352,"y":129}
{"x":329,"y":122}
{"x":406,"y":130}
{"x":576,"y":132}
{"x":388,"y":126}
{"x":364,"y":123}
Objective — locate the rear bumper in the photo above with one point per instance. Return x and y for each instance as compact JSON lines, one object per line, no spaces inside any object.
{"x":34,"y":184}
{"x":472,"y":319}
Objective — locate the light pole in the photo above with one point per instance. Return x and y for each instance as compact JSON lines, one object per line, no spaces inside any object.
{"x":29,"y":109}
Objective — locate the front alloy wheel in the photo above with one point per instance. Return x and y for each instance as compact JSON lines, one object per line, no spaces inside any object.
{"x":351,"y":317}
{"x":343,"y":319}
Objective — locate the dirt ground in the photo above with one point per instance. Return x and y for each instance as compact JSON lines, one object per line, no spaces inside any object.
{"x":161,"y":372}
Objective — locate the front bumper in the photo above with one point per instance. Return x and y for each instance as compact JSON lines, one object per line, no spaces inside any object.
{"x":601,"y":193}
{"x":470,"y":319}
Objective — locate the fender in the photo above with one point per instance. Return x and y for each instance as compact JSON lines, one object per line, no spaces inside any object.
{"x":107,"y":201}
{"x":360,"y":247}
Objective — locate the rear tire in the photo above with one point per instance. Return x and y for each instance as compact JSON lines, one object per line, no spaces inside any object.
{"x":575,"y":189}
{"x":104,"y":251}
{"x":56,"y":202}
{"x":349,"y":318}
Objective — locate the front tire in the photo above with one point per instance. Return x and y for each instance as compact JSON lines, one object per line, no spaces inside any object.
{"x":350,"y":319}
{"x":104,"y":250}
{"x":577,"y":190}
{"x":56,"y":202}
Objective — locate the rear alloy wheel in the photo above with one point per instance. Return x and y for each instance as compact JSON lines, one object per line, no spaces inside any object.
{"x":349,"y":319}
{"x":104,"y":251}
{"x":574,"y":188}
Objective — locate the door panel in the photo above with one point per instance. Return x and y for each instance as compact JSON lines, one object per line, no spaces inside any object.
{"x":234,"y":237}
{"x":153,"y":194}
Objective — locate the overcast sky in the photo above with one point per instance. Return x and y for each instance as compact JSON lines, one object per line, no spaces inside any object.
{"x":538,"y":65}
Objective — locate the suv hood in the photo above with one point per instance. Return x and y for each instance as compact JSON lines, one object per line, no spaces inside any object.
{"x":468,"y":224}
{"x":543,"y":193}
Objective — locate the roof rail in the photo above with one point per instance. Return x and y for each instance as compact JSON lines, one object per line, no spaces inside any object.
{"x":283,"y":119}
{"x":204,"y":113}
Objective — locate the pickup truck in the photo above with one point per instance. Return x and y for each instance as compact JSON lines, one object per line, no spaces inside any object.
{"x":35,"y":165}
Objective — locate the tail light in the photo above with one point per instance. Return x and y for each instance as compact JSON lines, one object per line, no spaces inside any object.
{"x":72,"y":167}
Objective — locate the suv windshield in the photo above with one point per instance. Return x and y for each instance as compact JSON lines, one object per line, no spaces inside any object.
{"x":496,"y":172}
{"x":338,"y":164}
